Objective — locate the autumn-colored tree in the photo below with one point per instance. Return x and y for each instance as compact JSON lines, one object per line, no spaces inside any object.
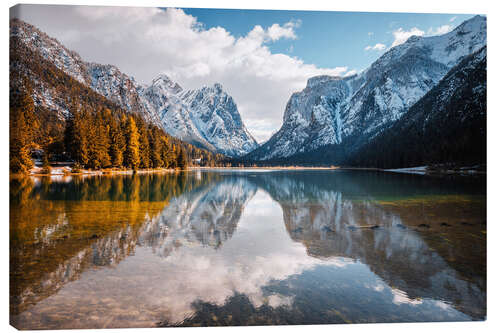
{"x":132,"y":157}
{"x":143,"y":144}
{"x":182,"y":161}
{"x":99,"y":144}
{"x":76,"y":136}
{"x":168,"y":154}
{"x":22,"y":123}
{"x":117,"y":143}
{"x":155,"y":148}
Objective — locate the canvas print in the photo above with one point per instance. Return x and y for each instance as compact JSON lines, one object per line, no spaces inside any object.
{"x":227,"y":167}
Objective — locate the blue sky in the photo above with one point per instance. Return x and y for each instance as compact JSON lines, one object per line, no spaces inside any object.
{"x":327,"y":39}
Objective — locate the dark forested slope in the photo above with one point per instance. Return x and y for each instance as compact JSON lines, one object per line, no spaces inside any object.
{"x":448,"y":125}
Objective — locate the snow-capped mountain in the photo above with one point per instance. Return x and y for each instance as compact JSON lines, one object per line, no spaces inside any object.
{"x":106,"y":80}
{"x":207,"y":117}
{"x":450,"y":118}
{"x":175,"y":116}
{"x":216,"y":116}
{"x":333,"y":110}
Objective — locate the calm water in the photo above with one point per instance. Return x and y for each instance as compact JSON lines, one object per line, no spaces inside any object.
{"x":246,"y":248}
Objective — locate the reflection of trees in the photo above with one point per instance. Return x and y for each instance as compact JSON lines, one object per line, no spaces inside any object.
{"x":59,"y":229}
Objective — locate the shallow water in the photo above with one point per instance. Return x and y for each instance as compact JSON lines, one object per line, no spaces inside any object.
{"x":246,"y":248}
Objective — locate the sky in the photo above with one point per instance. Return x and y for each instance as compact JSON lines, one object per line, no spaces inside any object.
{"x":259,"y":56}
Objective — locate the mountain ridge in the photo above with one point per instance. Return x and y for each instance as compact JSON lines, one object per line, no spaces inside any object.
{"x":333,"y":111}
{"x":118,"y":87}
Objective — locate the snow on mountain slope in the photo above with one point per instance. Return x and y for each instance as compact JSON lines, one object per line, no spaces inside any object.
{"x":64,"y":59}
{"x":118,"y":87}
{"x":106,"y":80}
{"x":175,"y":116}
{"x":207,"y":117}
{"x":447,"y":125}
{"x":216,"y":117}
{"x":331,"y":110}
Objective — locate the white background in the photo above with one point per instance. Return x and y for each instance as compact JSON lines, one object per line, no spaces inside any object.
{"x":423,"y":6}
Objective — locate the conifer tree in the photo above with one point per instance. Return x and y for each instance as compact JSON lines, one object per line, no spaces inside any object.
{"x":181,"y":159}
{"x":99,"y":143}
{"x":117,"y":144}
{"x":76,"y":136}
{"x":155,"y":148}
{"x":132,"y":158}
{"x":143,"y":145}
{"x":22,"y":123}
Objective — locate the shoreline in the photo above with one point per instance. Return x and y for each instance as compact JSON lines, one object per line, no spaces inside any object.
{"x":420,"y":170}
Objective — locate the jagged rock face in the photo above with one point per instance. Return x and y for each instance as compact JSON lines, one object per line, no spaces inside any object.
{"x":175,"y":116}
{"x":118,"y":87}
{"x":332,"y":110}
{"x":207,"y":117}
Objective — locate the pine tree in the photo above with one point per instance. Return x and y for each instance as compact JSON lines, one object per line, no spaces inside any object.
{"x":132,"y":158}
{"x":99,"y":145}
{"x":117,"y":144}
{"x":155,"y":148}
{"x":143,"y":145}
{"x":181,"y":159}
{"x":22,"y":122}
{"x":169,"y":154}
{"x":76,"y":136}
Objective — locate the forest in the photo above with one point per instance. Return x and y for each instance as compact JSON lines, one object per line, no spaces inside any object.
{"x":94,"y":133}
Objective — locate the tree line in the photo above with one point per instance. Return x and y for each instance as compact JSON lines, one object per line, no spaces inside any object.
{"x":97,"y":140}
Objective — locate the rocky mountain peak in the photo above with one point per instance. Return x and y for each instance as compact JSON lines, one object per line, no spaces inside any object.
{"x":352,"y":110}
{"x":163,"y":82}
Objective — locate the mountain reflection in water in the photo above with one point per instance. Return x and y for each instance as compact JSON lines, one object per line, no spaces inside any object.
{"x":245,"y":248}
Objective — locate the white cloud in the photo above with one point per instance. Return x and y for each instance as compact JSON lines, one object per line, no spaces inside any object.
{"x":439,"y":30}
{"x":376,"y":47}
{"x":143,"y":42}
{"x":276,"y":31}
{"x":400,"y":35}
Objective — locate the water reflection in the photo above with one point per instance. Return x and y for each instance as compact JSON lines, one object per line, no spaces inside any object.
{"x":219,"y":248}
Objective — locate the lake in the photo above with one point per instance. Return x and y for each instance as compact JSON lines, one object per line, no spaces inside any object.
{"x":249,"y":247}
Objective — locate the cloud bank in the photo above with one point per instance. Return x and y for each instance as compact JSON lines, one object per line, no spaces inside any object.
{"x":144,"y":42}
